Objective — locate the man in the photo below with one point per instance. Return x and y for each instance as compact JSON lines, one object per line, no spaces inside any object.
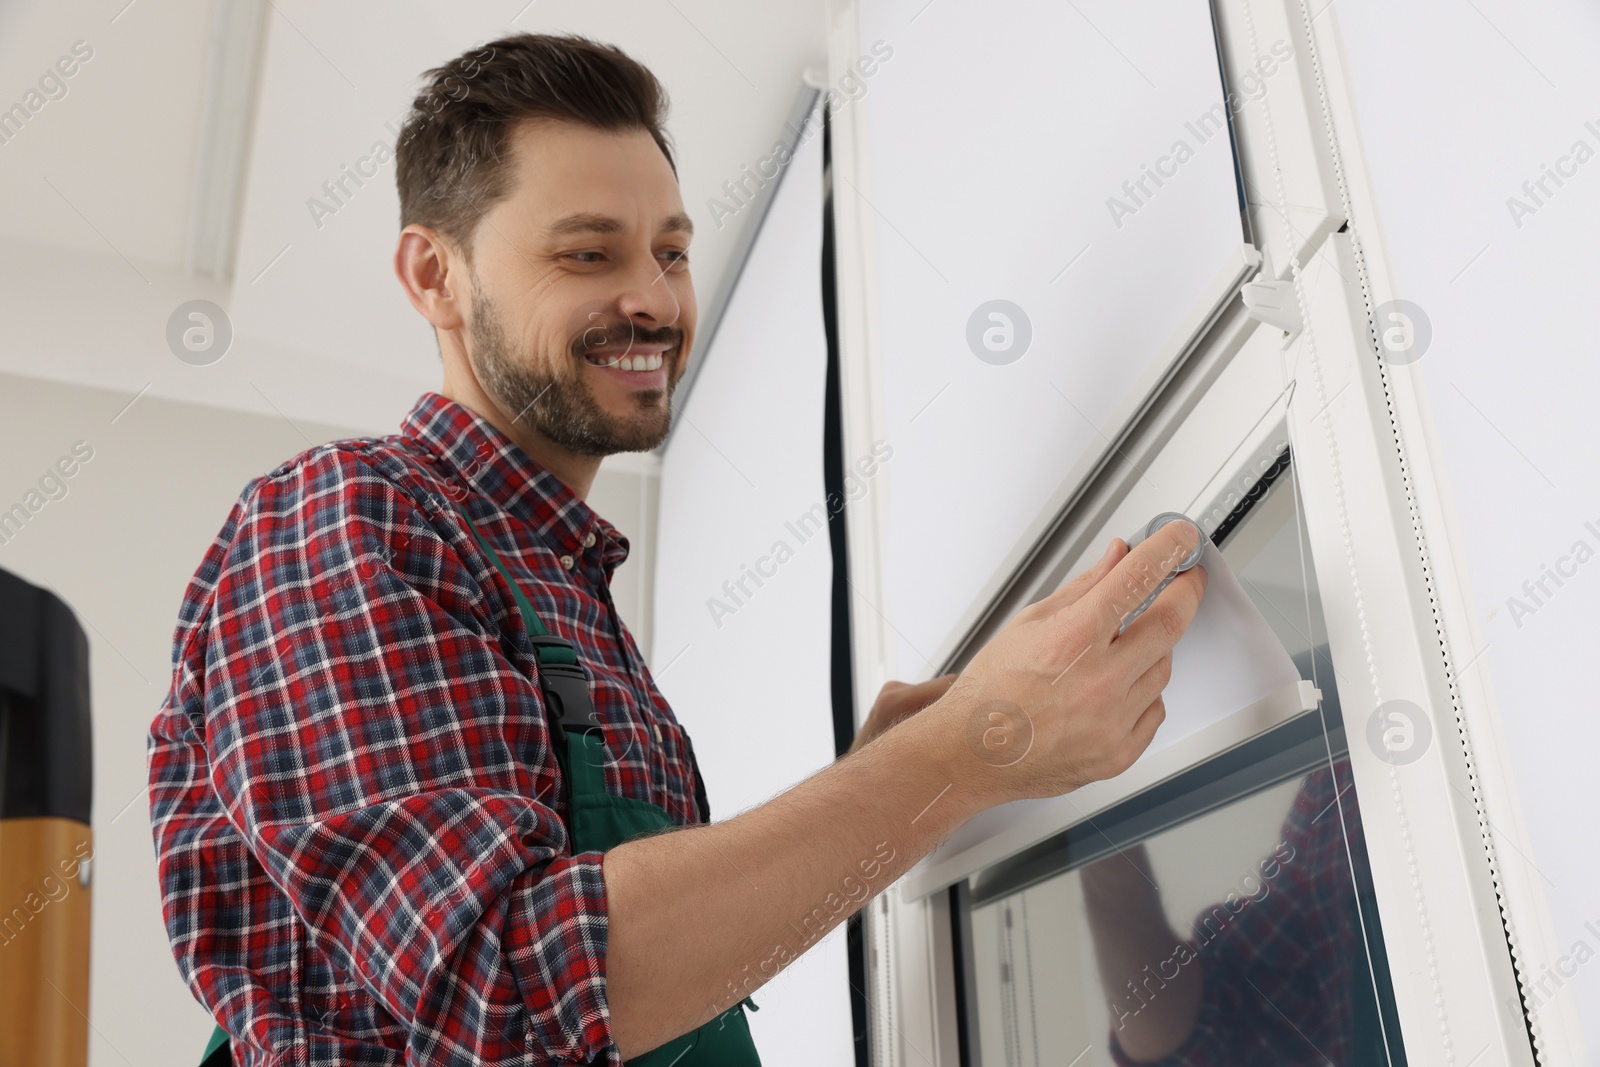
{"x":1277,"y":977}
{"x":374,"y":776}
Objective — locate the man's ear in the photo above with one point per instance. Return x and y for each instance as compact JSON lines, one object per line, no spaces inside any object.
{"x":432,"y":273}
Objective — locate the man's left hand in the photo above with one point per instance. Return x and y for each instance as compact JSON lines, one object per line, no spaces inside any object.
{"x":899,"y":700}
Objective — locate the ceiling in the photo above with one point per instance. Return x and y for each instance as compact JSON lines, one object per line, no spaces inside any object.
{"x":102,"y":179}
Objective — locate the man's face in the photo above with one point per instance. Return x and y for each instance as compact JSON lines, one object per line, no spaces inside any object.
{"x":583,"y":312}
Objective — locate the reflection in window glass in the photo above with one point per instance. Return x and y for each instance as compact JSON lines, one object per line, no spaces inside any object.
{"x":1216,"y":919}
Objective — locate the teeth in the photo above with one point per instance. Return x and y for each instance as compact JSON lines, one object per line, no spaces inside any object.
{"x":633,"y":363}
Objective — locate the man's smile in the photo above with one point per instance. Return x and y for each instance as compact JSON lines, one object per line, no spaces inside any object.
{"x":639,"y":366}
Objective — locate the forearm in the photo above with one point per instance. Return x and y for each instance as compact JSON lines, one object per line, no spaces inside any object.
{"x":1153,"y":988}
{"x":699,"y":919}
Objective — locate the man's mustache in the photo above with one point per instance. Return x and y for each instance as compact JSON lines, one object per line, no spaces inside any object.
{"x":608,"y":335}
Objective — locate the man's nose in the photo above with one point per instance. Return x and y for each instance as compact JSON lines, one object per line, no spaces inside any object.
{"x":649,"y":298}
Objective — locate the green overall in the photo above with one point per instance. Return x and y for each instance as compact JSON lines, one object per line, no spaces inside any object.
{"x":596,"y":822}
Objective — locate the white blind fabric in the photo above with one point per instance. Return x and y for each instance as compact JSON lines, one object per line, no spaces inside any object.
{"x":742,"y":624}
{"x":1055,"y":203}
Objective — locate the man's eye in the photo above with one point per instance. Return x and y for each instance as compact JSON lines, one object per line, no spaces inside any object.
{"x":579,"y":256}
{"x":674,"y":259}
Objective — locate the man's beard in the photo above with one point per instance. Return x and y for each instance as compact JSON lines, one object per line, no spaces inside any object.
{"x":560,"y":406}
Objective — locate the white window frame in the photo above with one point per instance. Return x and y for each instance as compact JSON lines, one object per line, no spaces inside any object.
{"x":1380,"y":537}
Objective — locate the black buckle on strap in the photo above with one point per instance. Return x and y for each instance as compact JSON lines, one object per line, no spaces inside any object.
{"x":566,"y":690}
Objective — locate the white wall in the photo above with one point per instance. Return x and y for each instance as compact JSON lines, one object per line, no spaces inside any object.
{"x":120,"y":548}
{"x":99,"y":181}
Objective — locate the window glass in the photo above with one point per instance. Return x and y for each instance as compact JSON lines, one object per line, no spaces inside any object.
{"x":1223,"y":917}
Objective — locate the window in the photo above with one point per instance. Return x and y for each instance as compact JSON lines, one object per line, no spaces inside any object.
{"x":1223,"y":916}
{"x":1294,"y":360}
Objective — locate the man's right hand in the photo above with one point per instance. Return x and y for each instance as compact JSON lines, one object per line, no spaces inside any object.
{"x":1076,"y":701}
{"x":700,"y":918}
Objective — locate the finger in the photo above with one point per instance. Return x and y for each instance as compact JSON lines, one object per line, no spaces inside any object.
{"x":1144,"y":731}
{"x":918,"y":696}
{"x":1154,"y":633}
{"x":1149,"y":685}
{"x":1073,"y":591}
{"x":1138,"y":575}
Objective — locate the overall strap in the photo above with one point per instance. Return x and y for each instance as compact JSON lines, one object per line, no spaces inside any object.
{"x":565,"y":686}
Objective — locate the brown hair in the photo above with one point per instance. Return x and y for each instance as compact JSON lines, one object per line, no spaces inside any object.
{"x":452,"y":158}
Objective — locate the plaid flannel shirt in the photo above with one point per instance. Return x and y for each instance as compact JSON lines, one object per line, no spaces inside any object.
{"x":1278,"y":975}
{"x":355,"y":804}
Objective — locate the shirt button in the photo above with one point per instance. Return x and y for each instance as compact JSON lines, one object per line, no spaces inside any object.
{"x":588,"y":541}
{"x":567,"y":561}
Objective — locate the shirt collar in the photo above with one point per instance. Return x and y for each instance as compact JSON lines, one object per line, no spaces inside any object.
{"x":474,"y":451}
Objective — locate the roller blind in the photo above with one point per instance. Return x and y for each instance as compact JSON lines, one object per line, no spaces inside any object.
{"x":742,"y":622}
{"x":1056,"y":213}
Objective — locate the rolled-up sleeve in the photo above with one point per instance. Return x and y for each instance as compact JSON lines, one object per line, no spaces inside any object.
{"x":388,"y":765}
